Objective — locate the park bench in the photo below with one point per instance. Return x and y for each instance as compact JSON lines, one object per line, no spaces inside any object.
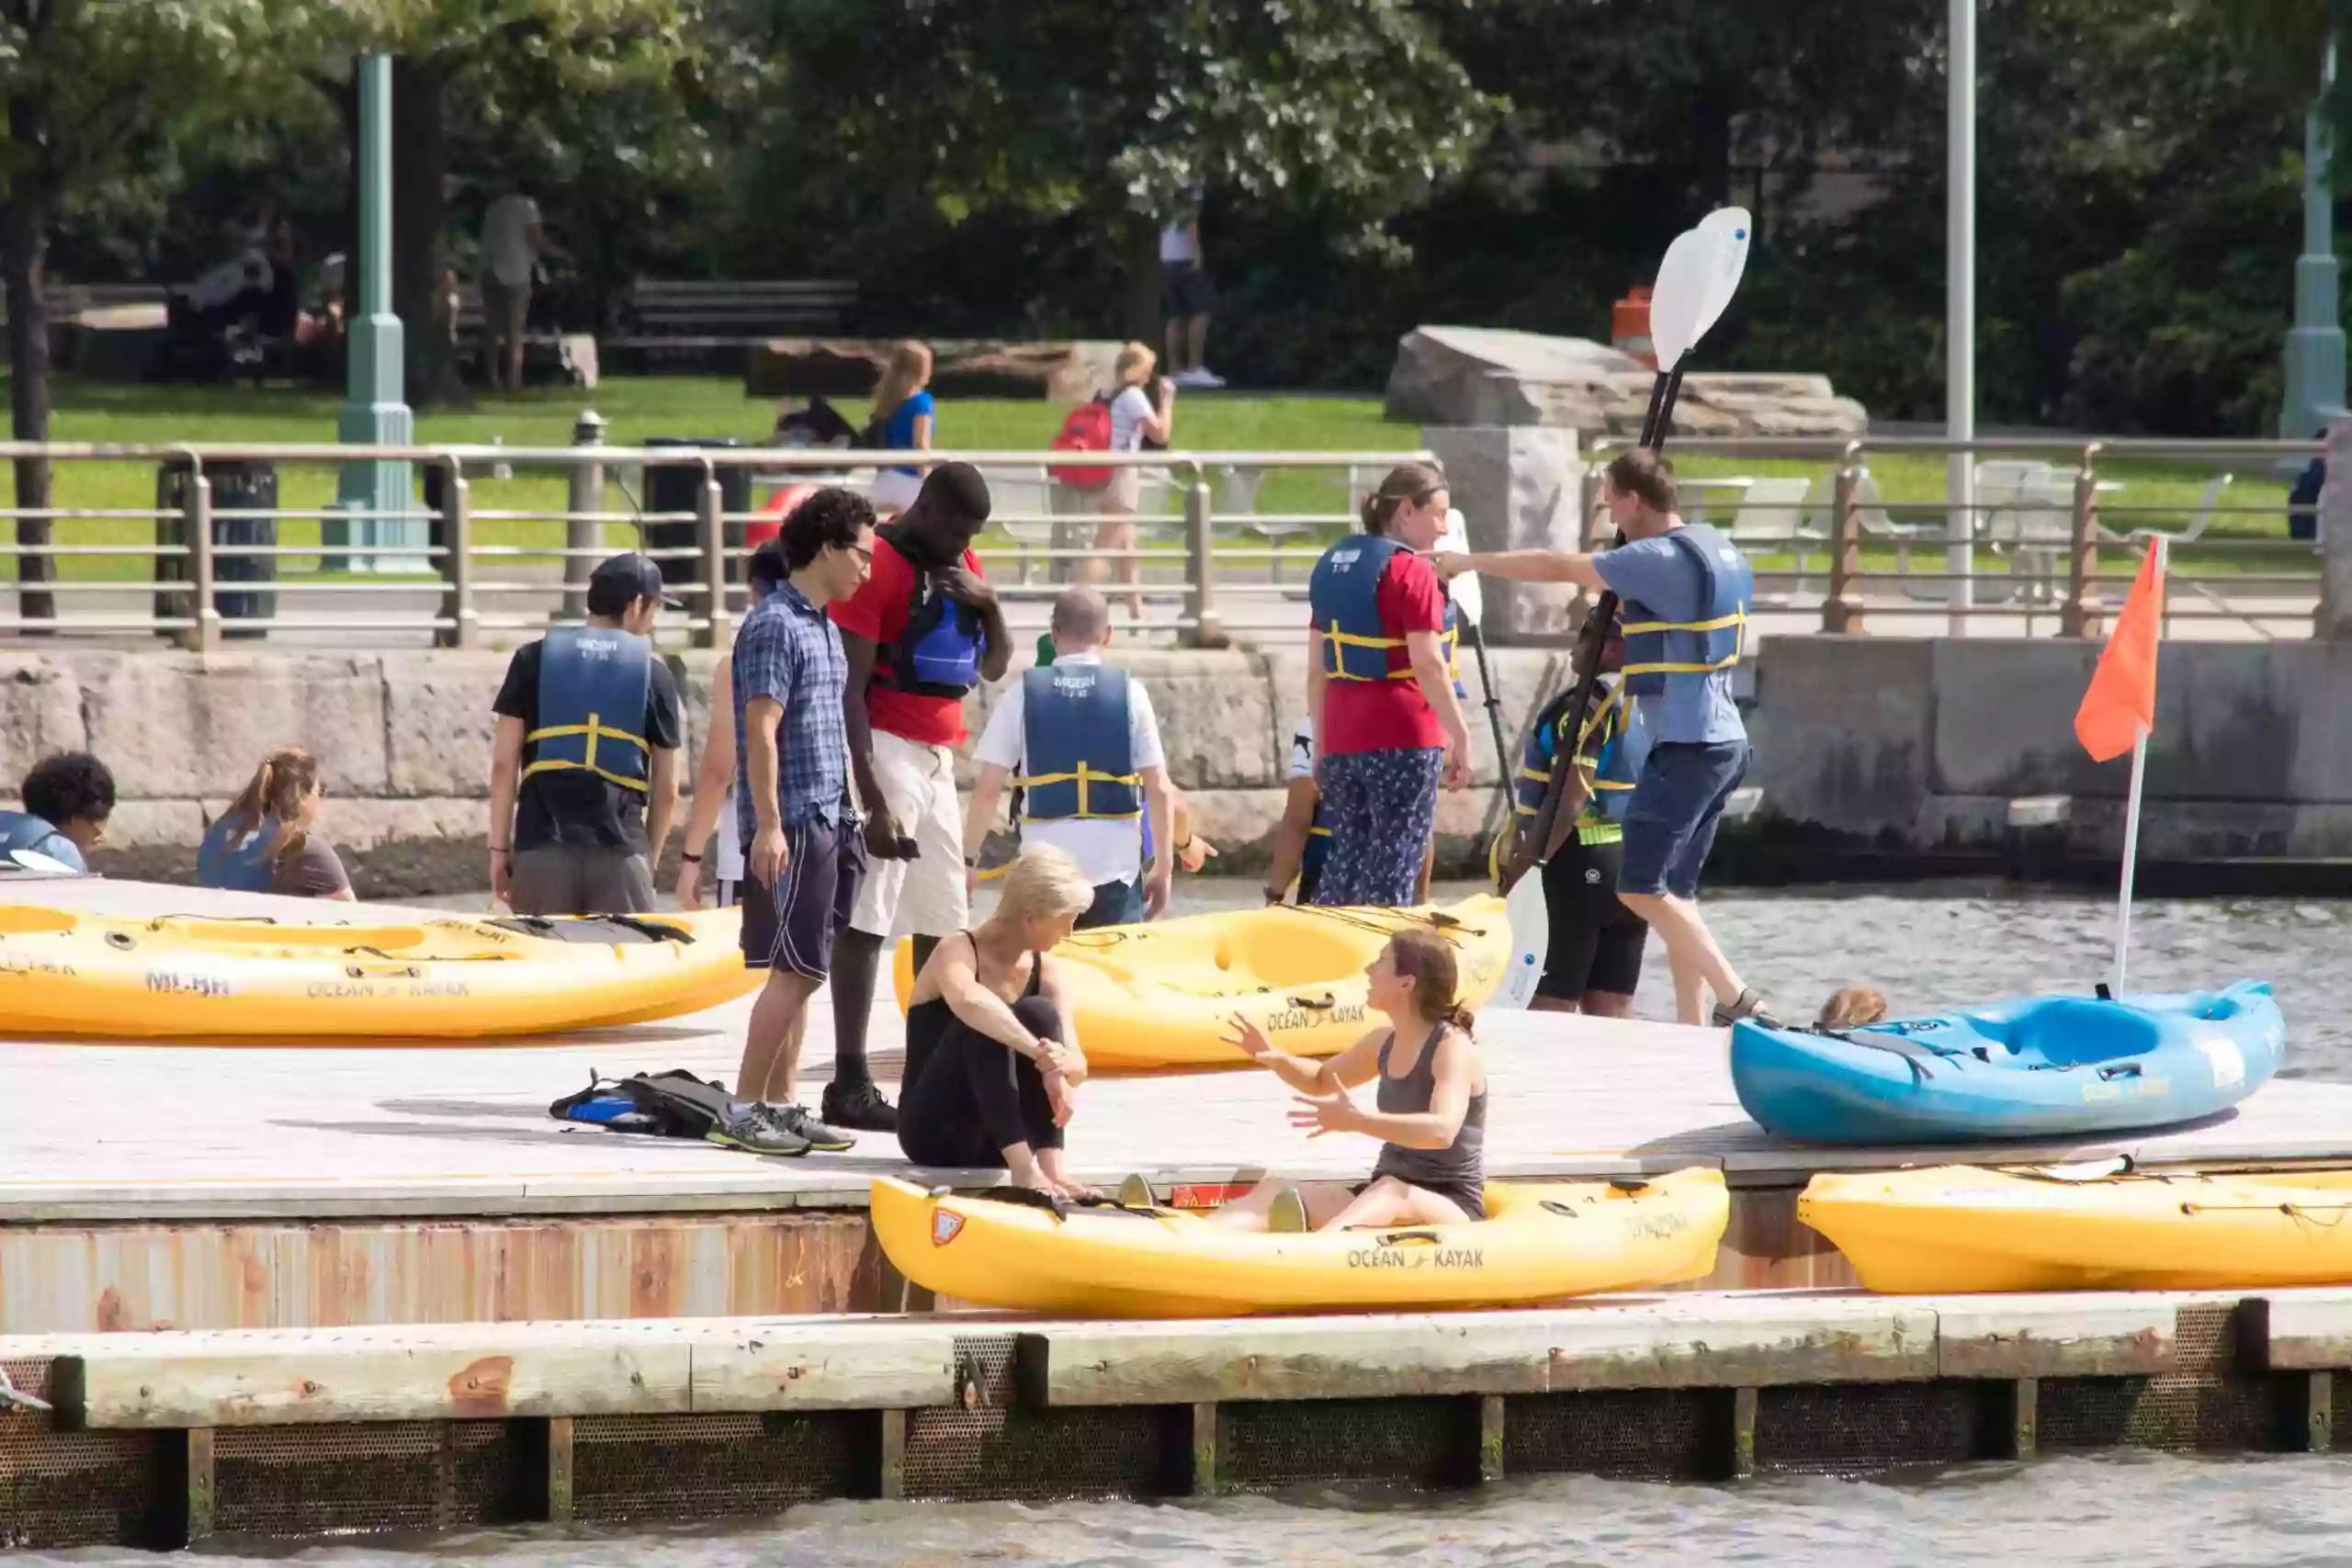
{"x":681,"y":323}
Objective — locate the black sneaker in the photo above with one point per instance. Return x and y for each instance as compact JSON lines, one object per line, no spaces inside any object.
{"x":757,"y":1134}
{"x":859,"y":1105}
{"x":795,"y":1121}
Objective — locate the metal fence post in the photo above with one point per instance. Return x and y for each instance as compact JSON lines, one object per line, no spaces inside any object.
{"x":1199,"y":566}
{"x":1842,"y":610}
{"x":2077,"y":616}
{"x":457,"y":532}
{"x":206,"y":634}
{"x":584,"y":494}
{"x":708,"y":504}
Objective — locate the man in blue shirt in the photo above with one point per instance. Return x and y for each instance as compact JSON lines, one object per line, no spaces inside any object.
{"x":68,"y":798}
{"x":804,"y":853}
{"x":1686,"y":591}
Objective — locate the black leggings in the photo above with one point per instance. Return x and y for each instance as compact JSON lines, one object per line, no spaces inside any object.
{"x":976,"y":1097}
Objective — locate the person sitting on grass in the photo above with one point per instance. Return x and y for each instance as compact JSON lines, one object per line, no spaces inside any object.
{"x":1432,"y":1106}
{"x":993,"y":1061}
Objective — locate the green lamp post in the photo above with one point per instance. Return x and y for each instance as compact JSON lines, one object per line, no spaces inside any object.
{"x":375,"y":494}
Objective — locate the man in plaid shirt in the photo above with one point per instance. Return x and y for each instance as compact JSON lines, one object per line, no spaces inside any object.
{"x":805,"y":857}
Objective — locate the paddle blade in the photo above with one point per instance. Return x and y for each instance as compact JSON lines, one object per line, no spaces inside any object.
{"x":1531,"y":937}
{"x":1677,"y":296}
{"x":34,"y":861}
{"x":1725,"y":231}
{"x":1468,"y":597}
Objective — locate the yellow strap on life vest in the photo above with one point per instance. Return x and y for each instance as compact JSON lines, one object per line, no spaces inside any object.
{"x":1736,"y":618}
{"x":597,"y":731}
{"x":1085,"y":776}
{"x":1451,"y":636}
{"x":1318,"y":832}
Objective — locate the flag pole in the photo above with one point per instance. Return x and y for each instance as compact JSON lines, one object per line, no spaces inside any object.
{"x":2131,"y":814}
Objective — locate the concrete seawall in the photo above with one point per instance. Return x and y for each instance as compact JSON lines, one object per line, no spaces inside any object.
{"x":1880,"y":753}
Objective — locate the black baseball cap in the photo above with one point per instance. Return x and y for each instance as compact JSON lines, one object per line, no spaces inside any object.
{"x":623,"y":579}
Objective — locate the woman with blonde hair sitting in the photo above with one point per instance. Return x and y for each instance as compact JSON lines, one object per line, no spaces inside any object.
{"x":992,"y":1062}
{"x":903,"y":416}
{"x":1136,"y":416}
{"x":262,"y":843}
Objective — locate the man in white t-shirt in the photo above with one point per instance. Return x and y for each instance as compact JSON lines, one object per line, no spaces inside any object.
{"x":1185,"y":299}
{"x":1082,"y":742}
{"x":511,"y":242}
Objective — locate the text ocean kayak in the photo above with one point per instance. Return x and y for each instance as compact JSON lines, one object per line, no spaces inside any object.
{"x":66,"y":974}
{"x":2039,"y":1067}
{"x":1540,"y":1242}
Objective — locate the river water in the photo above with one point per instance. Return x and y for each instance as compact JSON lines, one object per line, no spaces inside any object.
{"x":2127,"y":1510}
{"x":1927,"y":948}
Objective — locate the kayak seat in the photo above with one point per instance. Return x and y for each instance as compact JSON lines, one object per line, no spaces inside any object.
{"x":2068,"y":1031}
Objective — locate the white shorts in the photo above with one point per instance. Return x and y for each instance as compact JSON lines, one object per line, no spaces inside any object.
{"x":923,"y":896}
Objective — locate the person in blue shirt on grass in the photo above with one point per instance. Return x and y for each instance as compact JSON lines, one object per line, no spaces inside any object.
{"x":1685,"y":590}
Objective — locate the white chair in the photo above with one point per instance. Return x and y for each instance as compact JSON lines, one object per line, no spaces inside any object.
{"x":2207,"y":504}
{"x":2000,"y":494}
{"x":1874,"y":521}
{"x":1237,"y":498}
{"x":1771,"y":521}
{"x":1020,"y":503}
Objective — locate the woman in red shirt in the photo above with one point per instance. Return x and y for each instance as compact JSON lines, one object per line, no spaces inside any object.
{"x":1380,"y":690}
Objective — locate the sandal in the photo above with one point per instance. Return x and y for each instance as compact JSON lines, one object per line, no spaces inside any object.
{"x":1748,"y":1005}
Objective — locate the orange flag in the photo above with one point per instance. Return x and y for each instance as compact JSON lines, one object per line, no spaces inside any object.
{"x":2121,"y":701}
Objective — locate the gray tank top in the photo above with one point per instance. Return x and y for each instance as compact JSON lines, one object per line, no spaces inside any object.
{"x":1461,"y":1162}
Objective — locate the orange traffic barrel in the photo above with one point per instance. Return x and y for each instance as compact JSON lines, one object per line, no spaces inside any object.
{"x":1629,"y":327}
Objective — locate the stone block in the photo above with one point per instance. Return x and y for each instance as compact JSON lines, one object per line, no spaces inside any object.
{"x":1216,"y":718}
{"x":2322,"y":769}
{"x":1518,"y":488}
{"x":2003,"y":711}
{"x":438,"y":715}
{"x":1476,"y":375}
{"x":40,"y":712}
{"x":1845,"y":741}
{"x":191,"y":725}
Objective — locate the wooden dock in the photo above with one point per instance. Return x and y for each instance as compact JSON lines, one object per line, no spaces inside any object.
{"x":165,"y":1439}
{"x":149,"y":1187}
{"x":282,"y":1292}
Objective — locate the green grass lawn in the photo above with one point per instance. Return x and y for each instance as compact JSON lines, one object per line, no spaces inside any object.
{"x":2160,"y":494}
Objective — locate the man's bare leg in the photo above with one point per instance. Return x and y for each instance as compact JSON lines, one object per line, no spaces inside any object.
{"x":1690,"y":953}
{"x":772,"y":1041}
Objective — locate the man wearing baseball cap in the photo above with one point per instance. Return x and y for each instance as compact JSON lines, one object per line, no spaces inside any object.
{"x":583,"y":774}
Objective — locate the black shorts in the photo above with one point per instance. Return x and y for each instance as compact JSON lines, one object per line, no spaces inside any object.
{"x":1470,"y":1197}
{"x":1184,"y":290}
{"x":792,"y":925}
{"x":1596,"y":941}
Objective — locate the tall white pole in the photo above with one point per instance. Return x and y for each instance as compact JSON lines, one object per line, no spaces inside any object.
{"x":2131,"y":813}
{"x":1959,"y":310}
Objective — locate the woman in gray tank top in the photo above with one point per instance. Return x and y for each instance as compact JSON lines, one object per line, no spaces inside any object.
{"x":1431,"y":1110}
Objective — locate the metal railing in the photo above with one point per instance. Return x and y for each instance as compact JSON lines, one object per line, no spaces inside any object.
{"x":1220,"y":544}
{"x":1191,"y":561}
{"x":2042,"y":511}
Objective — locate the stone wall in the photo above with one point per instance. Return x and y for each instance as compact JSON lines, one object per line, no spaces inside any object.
{"x":1869,"y":749}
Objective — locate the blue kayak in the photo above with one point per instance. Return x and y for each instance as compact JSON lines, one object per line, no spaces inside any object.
{"x":2037,"y":1067}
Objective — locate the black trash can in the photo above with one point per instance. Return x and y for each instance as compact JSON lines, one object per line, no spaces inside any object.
{"x":236,"y":487}
{"x":677,"y":487}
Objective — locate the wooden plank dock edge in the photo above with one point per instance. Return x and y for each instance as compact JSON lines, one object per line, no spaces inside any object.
{"x":465,"y":1371}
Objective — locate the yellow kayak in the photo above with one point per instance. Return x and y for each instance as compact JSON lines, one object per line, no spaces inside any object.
{"x":1540,"y":1242}
{"x":1960,"y":1228}
{"x":1163,"y":995}
{"x":187,"y":977}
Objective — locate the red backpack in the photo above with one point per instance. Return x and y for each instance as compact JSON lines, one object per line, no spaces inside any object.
{"x":1088,"y":429}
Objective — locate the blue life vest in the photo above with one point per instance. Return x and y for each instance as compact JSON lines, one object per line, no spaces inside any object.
{"x":939,"y":653}
{"x":595,"y":685}
{"x":23,"y":830}
{"x":238,"y":863}
{"x":1344,"y":594}
{"x":1658,"y":650}
{"x":1076,"y":744}
{"x":1611,"y":754}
